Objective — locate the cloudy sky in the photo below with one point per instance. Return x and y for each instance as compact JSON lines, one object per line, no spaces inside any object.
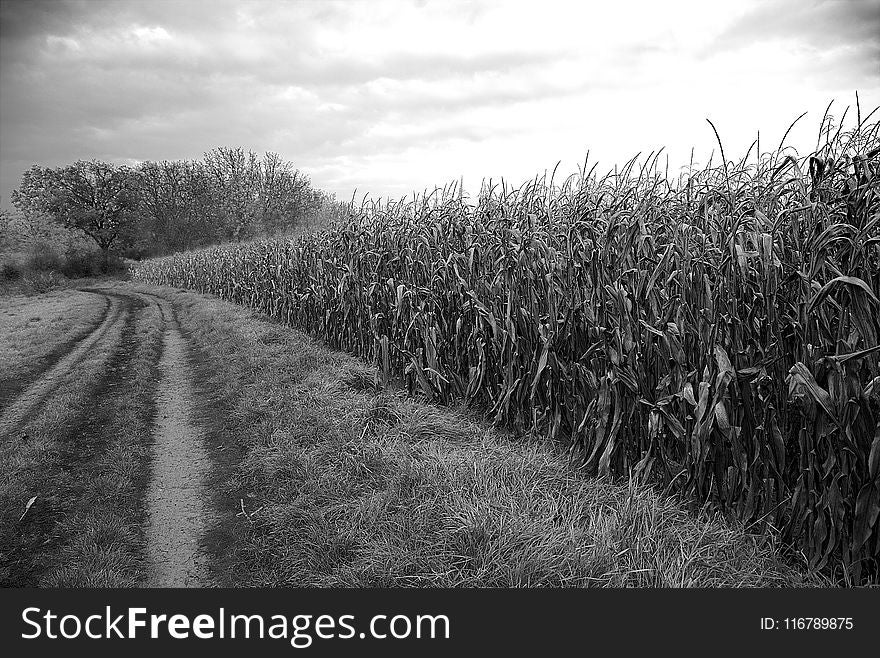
{"x":394,"y":96}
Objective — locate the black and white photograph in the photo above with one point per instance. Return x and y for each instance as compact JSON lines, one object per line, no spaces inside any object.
{"x":420,"y":295}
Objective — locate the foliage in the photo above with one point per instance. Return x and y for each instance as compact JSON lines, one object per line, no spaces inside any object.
{"x":162,"y":207}
{"x":230,"y":195}
{"x":718,"y":334}
{"x":94,"y":197}
{"x":10,"y":271}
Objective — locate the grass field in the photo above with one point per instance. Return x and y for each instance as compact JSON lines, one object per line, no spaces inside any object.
{"x":36,"y":329}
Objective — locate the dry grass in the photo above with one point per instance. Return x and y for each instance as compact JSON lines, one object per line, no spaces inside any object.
{"x":36,"y":330}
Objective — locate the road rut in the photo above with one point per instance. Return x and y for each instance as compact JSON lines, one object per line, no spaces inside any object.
{"x":174,"y":502}
{"x":176,"y":505}
{"x":14,"y":415}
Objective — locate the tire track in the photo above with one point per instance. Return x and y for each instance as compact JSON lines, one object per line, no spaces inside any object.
{"x":177,"y":505}
{"x":23,"y":406}
{"x":11,"y":389}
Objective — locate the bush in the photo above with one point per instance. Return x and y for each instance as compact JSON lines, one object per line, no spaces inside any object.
{"x":10,"y":271}
{"x":44,"y":258}
{"x":37,"y":282}
{"x":117,"y":265}
{"x":79,"y":264}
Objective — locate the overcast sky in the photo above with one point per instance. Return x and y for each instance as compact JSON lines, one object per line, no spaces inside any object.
{"x":394,"y":96}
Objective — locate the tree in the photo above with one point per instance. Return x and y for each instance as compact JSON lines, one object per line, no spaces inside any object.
{"x":234,"y":176}
{"x":286,"y":196}
{"x":257,"y":196}
{"x":20,"y":230}
{"x":176,"y":197}
{"x":161,"y":207}
{"x":94,"y":197}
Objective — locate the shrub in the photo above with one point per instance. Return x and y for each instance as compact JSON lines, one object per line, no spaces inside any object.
{"x":80,"y":263}
{"x":37,"y":282}
{"x":44,"y":257}
{"x":10,"y":271}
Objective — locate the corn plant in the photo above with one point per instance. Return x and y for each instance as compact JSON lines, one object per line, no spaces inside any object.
{"x":717,"y":334}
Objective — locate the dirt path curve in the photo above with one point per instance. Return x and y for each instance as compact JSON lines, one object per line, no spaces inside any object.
{"x":177,"y":510}
{"x":18,"y":410}
{"x":176,"y":506}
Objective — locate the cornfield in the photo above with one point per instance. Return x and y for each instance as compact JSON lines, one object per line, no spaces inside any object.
{"x":717,"y":334}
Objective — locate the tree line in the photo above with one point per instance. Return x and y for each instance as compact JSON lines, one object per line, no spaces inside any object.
{"x":157,"y":208}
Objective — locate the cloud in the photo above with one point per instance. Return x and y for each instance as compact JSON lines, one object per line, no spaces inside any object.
{"x":831,"y":45}
{"x":820,"y":24}
{"x":835,"y":38}
{"x":394,"y":93}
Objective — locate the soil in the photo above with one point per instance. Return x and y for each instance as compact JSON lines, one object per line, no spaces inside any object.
{"x":176,"y":505}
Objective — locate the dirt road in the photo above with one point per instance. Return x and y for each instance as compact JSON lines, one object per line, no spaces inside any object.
{"x":176,"y":512}
{"x":175,"y":499}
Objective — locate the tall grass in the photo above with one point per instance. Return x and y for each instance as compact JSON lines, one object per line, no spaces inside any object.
{"x":717,"y":334}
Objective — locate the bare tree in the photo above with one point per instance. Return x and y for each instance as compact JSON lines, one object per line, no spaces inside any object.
{"x":177,"y":197}
{"x":235,"y":180}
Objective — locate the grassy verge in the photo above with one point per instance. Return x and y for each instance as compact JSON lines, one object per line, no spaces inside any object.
{"x":32,"y":283}
{"x":329,"y":482}
{"x":85,"y":459}
{"x":36,"y":331}
{"x":43,"y":283}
